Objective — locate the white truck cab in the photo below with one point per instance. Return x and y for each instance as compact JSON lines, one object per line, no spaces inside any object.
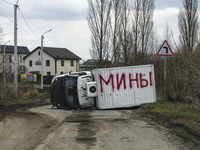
{"x":70,"y":90}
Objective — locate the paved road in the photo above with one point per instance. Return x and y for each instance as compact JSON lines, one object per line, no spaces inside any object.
{"x":45,"y":128}
{"x":106,"y":130}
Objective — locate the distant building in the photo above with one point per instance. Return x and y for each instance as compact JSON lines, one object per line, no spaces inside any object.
{"x":88,"y":65}
{"x":7,"y":65}
{"x":56,"y":61}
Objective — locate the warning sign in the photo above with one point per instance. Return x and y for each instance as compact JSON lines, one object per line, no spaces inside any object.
{"x":165,"y":50}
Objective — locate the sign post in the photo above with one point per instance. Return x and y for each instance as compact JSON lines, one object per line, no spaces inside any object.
{"x":165,"y":79}
{"x":165,"y":50}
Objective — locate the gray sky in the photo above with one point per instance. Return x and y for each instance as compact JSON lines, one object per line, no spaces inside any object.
{"x":67,"y":19}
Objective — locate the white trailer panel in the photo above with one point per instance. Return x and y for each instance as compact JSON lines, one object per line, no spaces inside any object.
{"x":125,"y":86}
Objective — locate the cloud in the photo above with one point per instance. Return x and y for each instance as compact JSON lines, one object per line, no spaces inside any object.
{"x":47,"y":9}
{"x":67,"y":18}
{"x":73,"y":35}
{"x":163,"y":4}
{"x":166,"y":16}
{"x":51,"y":10}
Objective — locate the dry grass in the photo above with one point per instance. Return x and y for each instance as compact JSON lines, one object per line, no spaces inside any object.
{"x":182,"y":115}
{"x":26,"y":94}
{"x":29,"y":93}
{"x":25,"y":91}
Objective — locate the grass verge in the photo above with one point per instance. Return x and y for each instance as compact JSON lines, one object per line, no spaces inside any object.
{"x":39,"y":98}
{"x":7,"y":102}
{"x":179,"y":115}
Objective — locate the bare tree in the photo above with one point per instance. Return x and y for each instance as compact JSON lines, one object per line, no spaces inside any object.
{"x":116,"y":30}
{"x":168,"y":35}
{"x":99,"y":23}
{"x":188,"y":25}
{"x":125,"y":35}
{"x":146,"y":25}
{"x":136,"y":27}
{"x":142,"y":29}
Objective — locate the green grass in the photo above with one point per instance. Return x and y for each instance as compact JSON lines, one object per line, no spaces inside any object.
{"x":181,"y":115}
{"x":24,"y":100}
{"x":7,"y":102}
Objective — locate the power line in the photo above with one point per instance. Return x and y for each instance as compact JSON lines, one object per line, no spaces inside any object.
{"x":8,"y":2}
{"x":27,"y":23}
{"x":12,"y":22}
{"x":20,"y":26}
{"x":21,"y":34}
{"x":31,"y":42}
{"x":7,"y":17}
{"x":22,"y":17}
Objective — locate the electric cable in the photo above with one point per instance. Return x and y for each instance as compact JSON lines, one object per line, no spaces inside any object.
{"x":31,"y":42}
{"x":8,"y":2}
{"x":27,"y":23}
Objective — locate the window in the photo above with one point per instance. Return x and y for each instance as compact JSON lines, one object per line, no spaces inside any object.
{"x":30,"y":63}
{"x":48,"y":73}
{"x":21,"y":59}
{"x":39,"y":53}
{"x":62,"y":62}
{"x":72,"y":63}
{"x":47,"y":62}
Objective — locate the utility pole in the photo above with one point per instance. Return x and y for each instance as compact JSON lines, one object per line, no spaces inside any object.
{"x":15,"y":53}
{"x":42,"y":37}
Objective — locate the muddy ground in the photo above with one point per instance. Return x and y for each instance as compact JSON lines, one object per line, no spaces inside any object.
{"x":39,"y":126}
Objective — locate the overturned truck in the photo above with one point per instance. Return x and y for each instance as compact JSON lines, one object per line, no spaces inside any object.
{"x":104,"y":88}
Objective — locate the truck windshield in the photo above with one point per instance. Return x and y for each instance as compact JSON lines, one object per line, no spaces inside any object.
{"x":71,"y":96}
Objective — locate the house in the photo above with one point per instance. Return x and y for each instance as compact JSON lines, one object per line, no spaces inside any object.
{"x":88,"y":65}
{"x":56,"y":61}
{"x":7,"y":61}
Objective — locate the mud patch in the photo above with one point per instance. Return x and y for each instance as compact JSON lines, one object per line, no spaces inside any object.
{"x":19,"y":128}
{"x":85,"y":128}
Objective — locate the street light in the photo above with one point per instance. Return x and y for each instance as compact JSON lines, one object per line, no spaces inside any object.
{"x":4,"y":54}
{"x":42,"y":37}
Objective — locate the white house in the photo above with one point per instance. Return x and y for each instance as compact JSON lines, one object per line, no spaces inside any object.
{"x":7,"y":60}
{"x":55,"y":61}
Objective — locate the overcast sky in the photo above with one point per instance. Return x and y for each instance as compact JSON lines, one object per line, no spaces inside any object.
{"x":67,"y":19}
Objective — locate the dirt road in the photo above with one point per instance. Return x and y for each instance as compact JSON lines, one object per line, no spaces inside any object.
{"x":45,"y":128}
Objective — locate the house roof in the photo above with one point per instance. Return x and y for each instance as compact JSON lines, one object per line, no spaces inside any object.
{"x":10,"y":49}
{"x":61,"y":53}
{"x":58,"y":53}
{"x":90,"y":63}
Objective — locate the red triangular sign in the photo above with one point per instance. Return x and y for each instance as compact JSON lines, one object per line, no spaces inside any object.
{"x":165,"y":50}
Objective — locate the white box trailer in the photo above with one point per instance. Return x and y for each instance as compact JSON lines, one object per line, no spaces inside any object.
{"x":125,"y":86}
{"x":105,"y":88}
